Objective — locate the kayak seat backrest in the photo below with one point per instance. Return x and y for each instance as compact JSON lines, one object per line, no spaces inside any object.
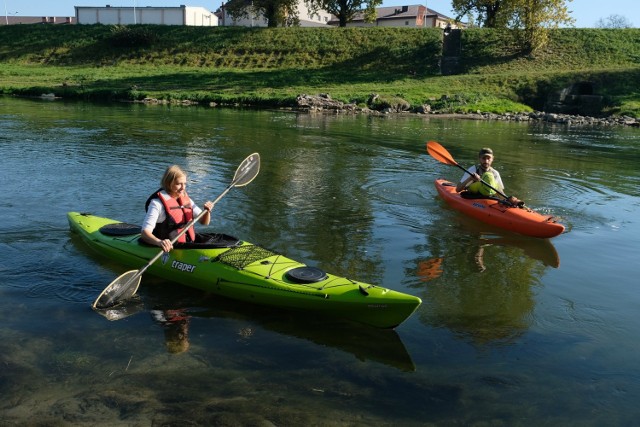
{"x":206,"y":241}
{"x":211,"y":241}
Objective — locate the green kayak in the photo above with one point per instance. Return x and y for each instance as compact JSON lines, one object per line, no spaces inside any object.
{"x":243,"y":271}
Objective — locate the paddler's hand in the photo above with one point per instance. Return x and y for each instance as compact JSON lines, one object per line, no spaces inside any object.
{"x":515,"y":201}
{"x":206,"y":215}
{"x":166,"y":245}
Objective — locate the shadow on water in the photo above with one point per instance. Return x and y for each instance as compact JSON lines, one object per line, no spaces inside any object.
{"x":541,"y":250}
{"x":173,"y":307}
{"x":479,"y":281}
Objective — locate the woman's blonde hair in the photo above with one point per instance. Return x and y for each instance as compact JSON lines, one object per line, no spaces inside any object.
{"x":172,"y":173}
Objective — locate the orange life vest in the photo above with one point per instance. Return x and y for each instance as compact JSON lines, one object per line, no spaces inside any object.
{"x":179,"y":213}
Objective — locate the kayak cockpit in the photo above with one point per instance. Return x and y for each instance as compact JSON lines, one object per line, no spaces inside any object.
{"x":203,"y":240}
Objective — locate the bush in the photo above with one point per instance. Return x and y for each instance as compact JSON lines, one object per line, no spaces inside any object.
{"x":381,"y":103}
{"x":132,"y":36}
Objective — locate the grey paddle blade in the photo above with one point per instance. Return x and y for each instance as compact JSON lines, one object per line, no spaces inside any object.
{"x":124,"y":309}
{"x":121,"y":289}
{"x":247,"y":170}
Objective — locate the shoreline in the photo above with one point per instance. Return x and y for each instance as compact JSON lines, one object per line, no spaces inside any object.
{"x":323,"y":104}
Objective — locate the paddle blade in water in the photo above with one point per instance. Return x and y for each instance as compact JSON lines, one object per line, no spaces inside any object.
{"x":247,"y":170}
{"x":124,"y":309}
{"x":121,"y":289}
{"x":440,"y":153}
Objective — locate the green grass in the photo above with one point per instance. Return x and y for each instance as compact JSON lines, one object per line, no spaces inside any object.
{"x":270,"y":67}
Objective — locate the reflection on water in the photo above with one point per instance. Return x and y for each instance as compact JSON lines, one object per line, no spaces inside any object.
{"x":507,"y":334}
{"x":173,"y":310}
{"x":481,"y":282}
{"x":542,"y":250}
{"x":176,"y":328}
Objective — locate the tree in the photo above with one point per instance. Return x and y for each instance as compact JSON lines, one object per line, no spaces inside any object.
{"x":614,"y":21}
{"x":533,"y":18}
{"x":536,"y":17}
{"x":346,"y":10}
{"x":488,"y":13}
{"x":282,"y":13}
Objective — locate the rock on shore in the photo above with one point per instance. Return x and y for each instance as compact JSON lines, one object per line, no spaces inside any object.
{"x":323,"y":103}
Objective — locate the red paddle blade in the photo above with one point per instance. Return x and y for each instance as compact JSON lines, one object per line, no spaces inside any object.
{"x":440,"y":153}
{"x":430,"y":269}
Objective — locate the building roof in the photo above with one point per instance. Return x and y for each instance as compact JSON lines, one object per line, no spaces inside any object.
{"x":393,"y":12}
{"x":400,"y":12}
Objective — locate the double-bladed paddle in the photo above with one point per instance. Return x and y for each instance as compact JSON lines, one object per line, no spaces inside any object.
{"x":441,"y":154}
{"x":126,"y":285}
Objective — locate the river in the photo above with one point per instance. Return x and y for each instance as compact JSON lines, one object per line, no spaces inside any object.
{"x":512,"y":330}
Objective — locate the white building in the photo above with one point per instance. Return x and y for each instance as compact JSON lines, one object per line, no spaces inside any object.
{"x":182,"y":15}
{"x":306,"y":18}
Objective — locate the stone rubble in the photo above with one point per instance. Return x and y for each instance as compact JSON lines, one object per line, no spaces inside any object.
{"x":323,"y":103}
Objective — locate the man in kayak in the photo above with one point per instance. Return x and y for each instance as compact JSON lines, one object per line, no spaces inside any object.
{"x":169,"y":209}
{"x":484,"y":172}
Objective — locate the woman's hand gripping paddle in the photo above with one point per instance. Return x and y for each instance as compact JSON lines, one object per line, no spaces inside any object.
{"x":125,"y":286}
{"x":441,"y":154}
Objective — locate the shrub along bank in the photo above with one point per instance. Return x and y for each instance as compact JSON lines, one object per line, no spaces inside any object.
{"x":271,"y":67}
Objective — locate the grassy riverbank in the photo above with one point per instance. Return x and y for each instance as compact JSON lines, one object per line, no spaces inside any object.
{"x":270,"y":67}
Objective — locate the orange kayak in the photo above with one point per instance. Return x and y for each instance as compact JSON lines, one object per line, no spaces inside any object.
{"x":493,"y":211}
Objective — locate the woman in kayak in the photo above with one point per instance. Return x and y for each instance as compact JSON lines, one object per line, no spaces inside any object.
{"x":483,"y":172}
{"x":169,"y":209}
